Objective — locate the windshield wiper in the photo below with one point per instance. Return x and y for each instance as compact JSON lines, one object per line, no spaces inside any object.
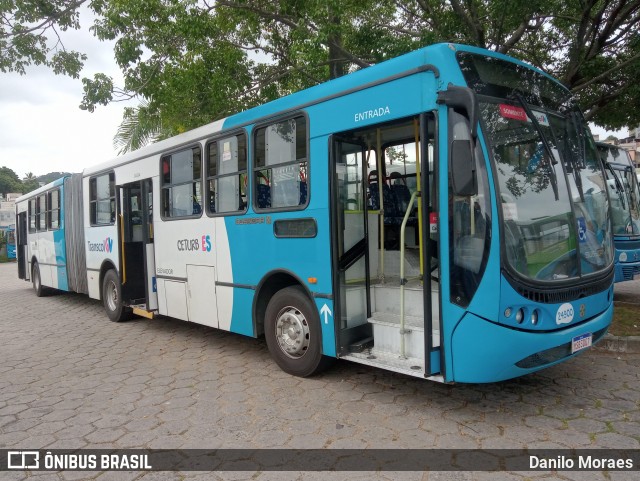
{"x":545,"y":142}
{"x":619,"y":188}
{"x":576,"y":166}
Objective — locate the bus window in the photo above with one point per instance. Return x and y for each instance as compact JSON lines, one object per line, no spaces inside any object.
{"x":181,"y":196}
{"x":102,"y":199}
{"x":32,"y":216}
{"x":53,"y":209}
{"x":227,"y":175}
{"x":281,"y":165}
{"x":42,"y":212}
{"x":470,"y":225}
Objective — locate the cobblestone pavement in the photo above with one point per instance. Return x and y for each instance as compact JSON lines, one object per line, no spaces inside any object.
{"x":69,"y":378}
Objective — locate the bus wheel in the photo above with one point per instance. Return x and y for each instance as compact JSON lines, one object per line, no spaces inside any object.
{"x":112,"y":298}
{"x":292,"y":331}
{"x":38,"y":288}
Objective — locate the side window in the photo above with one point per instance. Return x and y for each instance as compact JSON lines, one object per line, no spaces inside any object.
{"x":32,"y":216}
{"x":469,"y":224}
{"x":53,"y":209}
{"x":41,"y":209}
{"x":281,"y":170}
{"x":102,"y":199}
{"x":227,"y":175}
{"x":181,"y":174}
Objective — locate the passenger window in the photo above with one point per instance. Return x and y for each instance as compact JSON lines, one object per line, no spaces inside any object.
{"x":42,"y":212}
{"x":102,"y":199}
{"x":227,"y":175}
{"x":53,"y":209}
{"x":281,"y":171}
{"x":32,"y":216}
{"x":181,"y":174}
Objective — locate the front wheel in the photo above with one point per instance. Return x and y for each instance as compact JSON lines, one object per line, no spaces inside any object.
{"x":112,"y":298}
{"x":292,"y":331}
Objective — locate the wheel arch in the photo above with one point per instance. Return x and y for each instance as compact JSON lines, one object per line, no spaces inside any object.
{"x":272,"y":282}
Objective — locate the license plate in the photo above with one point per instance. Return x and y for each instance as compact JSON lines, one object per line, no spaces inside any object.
{"x":581,"y":342}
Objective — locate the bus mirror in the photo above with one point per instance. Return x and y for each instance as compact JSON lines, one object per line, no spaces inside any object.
{"x":463,"y":169}
{"x":464,"y":99}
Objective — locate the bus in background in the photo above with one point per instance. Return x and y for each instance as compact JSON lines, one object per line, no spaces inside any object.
{"x":442,"y":215}
{"x":624,"y":195}
{"x":10,"y":234}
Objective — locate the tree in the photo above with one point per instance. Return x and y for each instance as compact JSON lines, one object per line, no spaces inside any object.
{"x":30,"y":34}
{"x":9,"y":181}
{"x":189,"y":59}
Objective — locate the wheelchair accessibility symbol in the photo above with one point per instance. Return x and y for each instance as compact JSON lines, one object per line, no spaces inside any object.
{"x":582,"y":229}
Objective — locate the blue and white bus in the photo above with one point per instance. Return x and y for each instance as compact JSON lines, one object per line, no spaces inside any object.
{"x":442,"y":214}
{"x":624,"y":195}
{"x":10,"y":233}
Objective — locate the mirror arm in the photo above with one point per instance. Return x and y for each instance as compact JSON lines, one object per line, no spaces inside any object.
{"x":464,"y":99}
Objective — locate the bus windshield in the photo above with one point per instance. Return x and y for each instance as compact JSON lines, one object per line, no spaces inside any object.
{"x":623,"y":190}
{"x":549,"y":177}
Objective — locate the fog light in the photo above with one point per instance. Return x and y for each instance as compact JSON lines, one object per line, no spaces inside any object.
{"x":519,"y":316}
{"x":507,"y":312}
{"x":534,"y":317}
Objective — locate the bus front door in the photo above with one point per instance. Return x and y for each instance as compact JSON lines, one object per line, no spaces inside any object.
{"x":384,"y":220}
{"x":137,"y":259}
{"x":351,"y":245}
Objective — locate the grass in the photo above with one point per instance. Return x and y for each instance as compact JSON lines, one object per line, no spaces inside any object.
{"x":626,"y":319}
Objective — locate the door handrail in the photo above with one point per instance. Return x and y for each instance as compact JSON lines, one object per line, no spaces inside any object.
{"x":403,"y":281}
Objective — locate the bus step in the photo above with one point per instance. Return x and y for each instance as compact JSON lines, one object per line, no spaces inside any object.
{"x":143,"y":313}
{"x":361,"y":345}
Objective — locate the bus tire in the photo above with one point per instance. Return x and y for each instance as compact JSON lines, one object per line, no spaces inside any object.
{"x":292,"y":332}
{"x":38,"y":288}
{"x":112,"y":298}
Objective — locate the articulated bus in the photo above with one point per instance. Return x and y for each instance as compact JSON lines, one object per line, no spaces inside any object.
{"x":624,"y":195}
{"x":443,"y":215}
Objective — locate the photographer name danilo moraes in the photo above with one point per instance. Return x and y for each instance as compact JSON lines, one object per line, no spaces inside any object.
{"x":583,"y":462}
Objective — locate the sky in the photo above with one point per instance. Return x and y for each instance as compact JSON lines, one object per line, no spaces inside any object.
{"x":42,"y":128}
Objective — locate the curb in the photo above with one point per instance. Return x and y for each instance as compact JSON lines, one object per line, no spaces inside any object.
{"x":628,"y":344}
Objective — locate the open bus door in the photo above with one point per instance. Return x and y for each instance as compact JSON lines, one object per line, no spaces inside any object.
{"x":137,"y":257}
{"x":21,"y":245}
{"x":385,"y":256}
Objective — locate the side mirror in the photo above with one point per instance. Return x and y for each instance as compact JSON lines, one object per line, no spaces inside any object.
{"x":463,"y":168}
{"x":464,"y":99}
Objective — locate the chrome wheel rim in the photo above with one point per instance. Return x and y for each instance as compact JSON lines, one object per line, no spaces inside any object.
{"x":112,"y":296}
{"x":292,"y":332}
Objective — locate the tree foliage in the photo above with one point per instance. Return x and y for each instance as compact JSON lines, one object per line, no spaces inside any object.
{"x":9,"y":181}
{"x":30,"y":34}
{"x":194,"y":61}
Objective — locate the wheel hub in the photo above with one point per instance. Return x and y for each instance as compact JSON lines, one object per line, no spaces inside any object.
{"x":292,"y":332}
{"x":112,"y":296}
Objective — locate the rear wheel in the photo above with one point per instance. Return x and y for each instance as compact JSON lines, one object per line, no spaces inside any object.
{"x":37,"y":281}
{"x":292,"y":331}
{"x":112,"y":298}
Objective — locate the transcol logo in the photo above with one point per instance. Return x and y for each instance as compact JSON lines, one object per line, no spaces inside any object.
{"x":105,"y":246}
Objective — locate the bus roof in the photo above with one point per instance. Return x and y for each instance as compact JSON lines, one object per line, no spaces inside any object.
{"x":432,"y":58}
{"x":42,"y":189}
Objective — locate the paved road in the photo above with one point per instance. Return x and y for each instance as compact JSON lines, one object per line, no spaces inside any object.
{"x":69,"y":378}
